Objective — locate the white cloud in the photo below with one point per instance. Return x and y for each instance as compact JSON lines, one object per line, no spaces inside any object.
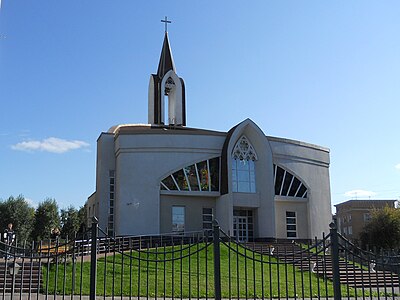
{"x":31,"y":202}
{"x":397,"y":166}
{"x":52,"y":144}
{"x":359,"y":193}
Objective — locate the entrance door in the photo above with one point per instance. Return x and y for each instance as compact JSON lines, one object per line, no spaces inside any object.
{"x":243,"y":225}
{"x":240,"y":228}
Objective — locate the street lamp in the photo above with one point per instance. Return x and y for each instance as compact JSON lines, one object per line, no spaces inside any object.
{"x":13,"y":269}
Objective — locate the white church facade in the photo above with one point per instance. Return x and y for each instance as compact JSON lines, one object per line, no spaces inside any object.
{"x":165,"y":177}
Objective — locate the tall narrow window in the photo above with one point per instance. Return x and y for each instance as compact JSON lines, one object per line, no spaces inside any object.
{"x":291,"y":224}
{"x":207,"y":218}
{"x":111,"y":203}
{"x":243,"y":167}
{"x":178,"y":218}
{"x":350,"y":230}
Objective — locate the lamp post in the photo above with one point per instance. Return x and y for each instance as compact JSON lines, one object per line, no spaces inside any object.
{"x":13,"y":269}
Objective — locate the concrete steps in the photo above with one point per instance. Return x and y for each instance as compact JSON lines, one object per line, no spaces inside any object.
{"x":25,"y":281}
{"x":350,"y":273}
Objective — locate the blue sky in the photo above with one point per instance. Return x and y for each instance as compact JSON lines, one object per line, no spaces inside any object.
{"x":323,"y":72}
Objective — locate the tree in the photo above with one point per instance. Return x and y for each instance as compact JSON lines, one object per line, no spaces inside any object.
{"x":46,"y":219}
{"x":70,"y":222}
{"x":18,"y":212}
{"x":383,"y":231}
{"x":83,"y":218}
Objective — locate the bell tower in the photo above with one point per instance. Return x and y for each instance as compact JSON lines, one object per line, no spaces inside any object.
{"x":166,"y":83}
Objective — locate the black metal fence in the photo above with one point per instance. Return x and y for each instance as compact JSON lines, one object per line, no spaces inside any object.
{"x":206,"y":265}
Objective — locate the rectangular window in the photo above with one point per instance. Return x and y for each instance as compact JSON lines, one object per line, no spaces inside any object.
{"x":367,"y":217}
{"x":207,"y":218}
{"x":178,"y":218}
{"x":350,"y":230}
{"x":291,"y":224}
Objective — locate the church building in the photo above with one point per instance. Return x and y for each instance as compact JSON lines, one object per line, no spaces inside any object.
{"x":165,"y":177}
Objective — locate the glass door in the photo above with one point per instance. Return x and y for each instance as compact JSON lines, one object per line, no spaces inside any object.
{"x":240,"y":228}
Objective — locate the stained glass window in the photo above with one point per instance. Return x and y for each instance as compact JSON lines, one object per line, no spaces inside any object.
{"x":214,"y":173}
{"x":168,"y":184}
{"x":202,"y":176}
{"x":191,"y":175}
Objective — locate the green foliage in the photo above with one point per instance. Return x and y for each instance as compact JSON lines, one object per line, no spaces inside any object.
{"x":18,"y":212}
{"x":70,"y":222}
{"x":30,"y":224}
{"x":46,"y":219}
{"x":383,"y":231}
{"x":83,"y":218}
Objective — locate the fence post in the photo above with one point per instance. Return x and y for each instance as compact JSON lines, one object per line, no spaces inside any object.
{"x":217,"y":261}
{"x":335,"y":261}
{"x":93,"y":258}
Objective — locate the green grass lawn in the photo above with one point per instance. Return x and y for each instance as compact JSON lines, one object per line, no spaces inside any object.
{"x":192,"y":276}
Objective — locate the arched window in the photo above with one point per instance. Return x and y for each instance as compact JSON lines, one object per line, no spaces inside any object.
{"x":243,"y":167}
{"x":288,"y":185}
{"x":202,"y":176}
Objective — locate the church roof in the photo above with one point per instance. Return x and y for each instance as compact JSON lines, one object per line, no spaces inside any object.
{"x":166,"y":60}
{"x":157,"y":129}
{"x":299,"y":143}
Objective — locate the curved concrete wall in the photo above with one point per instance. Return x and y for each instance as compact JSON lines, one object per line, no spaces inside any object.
{"x":142,"y":156}
{"x":142,"y":160}
{"x":310,"y":163}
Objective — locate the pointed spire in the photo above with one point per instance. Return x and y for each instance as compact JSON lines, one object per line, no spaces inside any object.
{"x":166,"y":60}
{"x":166,"y":83}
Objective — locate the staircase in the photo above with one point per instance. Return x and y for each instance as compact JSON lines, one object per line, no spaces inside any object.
{"x":26,"y":280}
{"x":351,"y":274}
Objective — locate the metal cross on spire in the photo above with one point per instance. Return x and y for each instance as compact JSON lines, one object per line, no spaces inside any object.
{"x":166,"y":23}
